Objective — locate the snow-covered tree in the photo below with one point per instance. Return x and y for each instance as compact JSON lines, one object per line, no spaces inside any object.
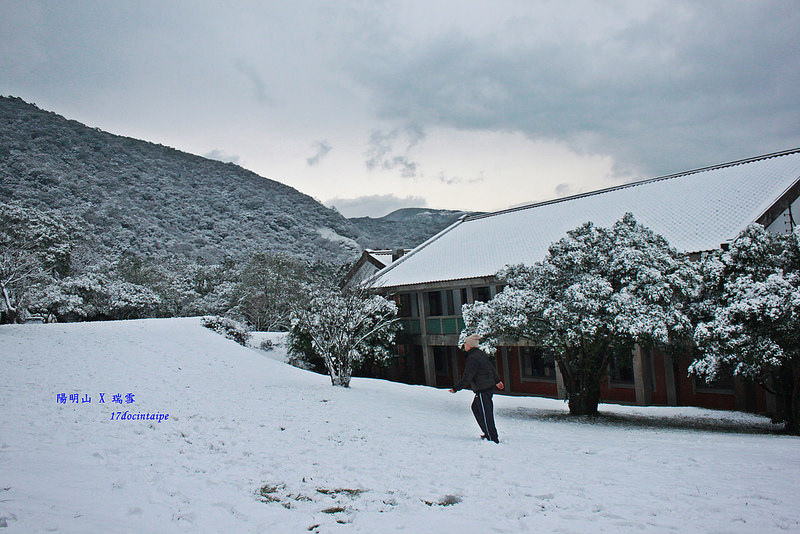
{"x":94,"y":296}
{"x":104,"y":298}
{"x":345,"y":327}
{"x":750,"y":317}
{"x":597,"y":293}
{"x":34,"y":247}
{"x":271,"y":286}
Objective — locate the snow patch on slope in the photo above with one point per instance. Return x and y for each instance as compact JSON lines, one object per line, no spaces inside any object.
{"x":330,"y":235}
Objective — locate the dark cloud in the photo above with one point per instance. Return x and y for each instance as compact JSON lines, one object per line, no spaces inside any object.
{"x":374,"y":205}
{"x":458,"y":180}
{"x":321,"y":149}
{"x":659,"y":86}
{"x":383,"y":154}
{"x":690,"y":83}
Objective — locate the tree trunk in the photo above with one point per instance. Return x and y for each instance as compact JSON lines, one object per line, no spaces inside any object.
{"x":340,"y":378}
{"x":792,"y":407}
{"x":341,"y":370}
{"x":585,"y":397}
{"x":11,"y":314}
{"x":582,"y":371}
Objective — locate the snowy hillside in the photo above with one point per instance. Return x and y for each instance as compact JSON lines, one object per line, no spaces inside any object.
{"x":126,"y":195}
{"x":122,"y":194}
{"x":254,"y":445}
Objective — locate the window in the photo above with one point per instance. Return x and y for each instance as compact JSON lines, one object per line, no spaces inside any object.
{"x":441,"y":360}
{"x":403,"y":302}
{"x":480,"y":294}
{"x":434,"y":303}
{"x":620,"y":369}
{"x":450,"y":304}
{"x":537,"y":363}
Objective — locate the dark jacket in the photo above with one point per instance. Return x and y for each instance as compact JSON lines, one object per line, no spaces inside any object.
{"x":479,"y":371}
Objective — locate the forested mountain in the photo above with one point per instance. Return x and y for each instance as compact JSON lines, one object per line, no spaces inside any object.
{"x":99,"y":226}
{"x":405,"y":228}
{"x":125,"y":195}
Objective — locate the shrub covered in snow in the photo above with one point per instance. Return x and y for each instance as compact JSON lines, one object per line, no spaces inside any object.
{"x":95,"y":296}
{"x":301,"y":350}
{"x":346,"y":327}
{"x":34,"y":248}
{"x":597,"y":293}
{"x":228,"y":327}
{"x":750,"y":316}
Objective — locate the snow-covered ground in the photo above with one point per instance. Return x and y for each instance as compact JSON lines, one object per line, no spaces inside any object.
{"x":254,"y":445}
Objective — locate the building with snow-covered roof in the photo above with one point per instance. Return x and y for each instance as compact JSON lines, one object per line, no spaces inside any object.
{"x":696,"y":211}
{"x":370,"y":262}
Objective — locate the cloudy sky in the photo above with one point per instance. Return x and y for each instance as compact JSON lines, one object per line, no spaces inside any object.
{"x":376,"y":105}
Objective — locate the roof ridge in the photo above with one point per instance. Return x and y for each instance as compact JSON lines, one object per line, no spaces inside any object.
{"x":636,"y":183}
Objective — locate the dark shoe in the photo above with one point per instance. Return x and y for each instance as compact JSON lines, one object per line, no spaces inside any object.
{"x":484,"y":436}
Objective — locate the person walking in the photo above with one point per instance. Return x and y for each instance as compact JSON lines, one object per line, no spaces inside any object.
{"x":480,"y":372}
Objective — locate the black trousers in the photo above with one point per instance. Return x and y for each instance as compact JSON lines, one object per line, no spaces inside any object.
{"x":483,"y":409}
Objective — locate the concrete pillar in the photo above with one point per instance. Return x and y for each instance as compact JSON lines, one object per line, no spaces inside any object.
{"x":641,"y":377}
{"x":430,"y":366}
{"x":744,"y":395}
{"x":506,"y":369}
{"x":457,"y":300}
{"x":669,"y":376}
{"x":454,"y":363}
{"x":427,"y":350}
{"x":560,"y":387}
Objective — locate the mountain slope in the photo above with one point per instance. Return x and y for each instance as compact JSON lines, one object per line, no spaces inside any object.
{"x":123,"y":194}
{"x":405,"y":228}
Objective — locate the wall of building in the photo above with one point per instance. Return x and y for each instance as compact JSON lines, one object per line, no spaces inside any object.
{"x":432,"y":322}
{"x":516,"y":382}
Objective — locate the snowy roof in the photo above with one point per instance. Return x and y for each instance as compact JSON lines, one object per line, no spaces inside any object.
{"x":695,"y":211}
{"x":369,"y":263}
{"x":383,"y":256}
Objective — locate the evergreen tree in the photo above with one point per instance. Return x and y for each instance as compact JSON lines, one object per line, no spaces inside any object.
{"x":271,"y":286}
{"x":346,"y":327}
{"x":749,"y":318}
{"x":597,"y":293}
{"x":34,"y":248}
